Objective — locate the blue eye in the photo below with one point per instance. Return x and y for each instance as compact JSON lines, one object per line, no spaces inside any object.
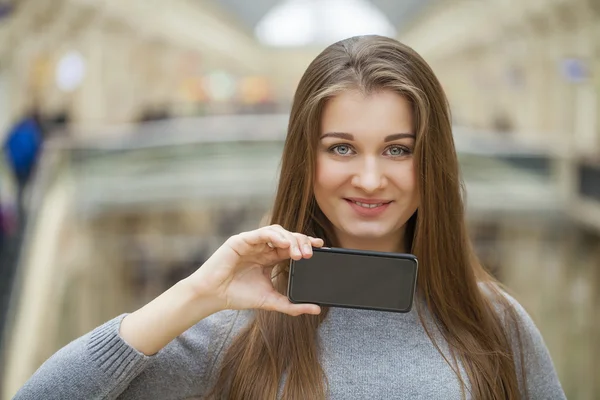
{"x":341,"y":149}
{"x":397,"y":151}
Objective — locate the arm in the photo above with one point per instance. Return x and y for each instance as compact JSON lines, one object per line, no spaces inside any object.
{"x":145,"y":353}
{"x":103,"y":363}
{"x":97,"y":365}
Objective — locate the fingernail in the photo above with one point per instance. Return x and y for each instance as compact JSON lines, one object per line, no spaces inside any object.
{"x":307,"y":249}
{"x":296,"y":250}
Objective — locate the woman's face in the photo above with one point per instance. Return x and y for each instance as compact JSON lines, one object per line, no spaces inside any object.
{"x":365,"y":182}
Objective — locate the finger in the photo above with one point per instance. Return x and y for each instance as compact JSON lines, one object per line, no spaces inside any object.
{"x":304,"y":244}
{"x":280,"y":303}
{"x":316,"y":242}
{"x":295,"y":246}
{"x":268,"y":236}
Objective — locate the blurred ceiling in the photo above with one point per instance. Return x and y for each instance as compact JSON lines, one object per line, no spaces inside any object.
{"x":249,"y":13}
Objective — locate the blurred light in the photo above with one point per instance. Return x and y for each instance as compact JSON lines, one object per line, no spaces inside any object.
{"x":295,"y":23}
{"x":220,"y":86}
{"x":70,"y":71}
{"x":192,"y":90}
{"x":254,"y":90}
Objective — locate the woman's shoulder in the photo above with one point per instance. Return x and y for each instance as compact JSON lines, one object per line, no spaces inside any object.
{"x":512,"y":313}
{"x":534,"y":360}
{"x":501,"y":299}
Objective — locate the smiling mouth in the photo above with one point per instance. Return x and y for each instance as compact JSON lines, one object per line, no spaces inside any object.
{"x":363,"y":204}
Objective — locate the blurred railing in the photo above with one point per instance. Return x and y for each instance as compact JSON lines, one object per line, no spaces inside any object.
{"x":173,"y":159}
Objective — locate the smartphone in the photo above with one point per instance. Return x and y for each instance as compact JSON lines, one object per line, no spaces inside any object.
{"x":354,"y":279}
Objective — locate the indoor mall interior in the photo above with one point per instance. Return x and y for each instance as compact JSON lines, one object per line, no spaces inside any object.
{"x":163,"y":123}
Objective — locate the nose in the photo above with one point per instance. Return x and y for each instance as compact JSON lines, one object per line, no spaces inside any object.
{"x":369,"y":177}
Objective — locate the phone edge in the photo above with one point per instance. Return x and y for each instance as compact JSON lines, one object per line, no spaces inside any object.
{"x":359,"y":252}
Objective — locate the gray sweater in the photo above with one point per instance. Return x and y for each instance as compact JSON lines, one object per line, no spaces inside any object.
{"x":366,"y":355}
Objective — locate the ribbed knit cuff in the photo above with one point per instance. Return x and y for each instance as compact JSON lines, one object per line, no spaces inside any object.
{"x":112,"y":355}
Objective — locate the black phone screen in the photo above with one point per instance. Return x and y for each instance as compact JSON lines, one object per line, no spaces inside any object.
{"x":355,"y":279}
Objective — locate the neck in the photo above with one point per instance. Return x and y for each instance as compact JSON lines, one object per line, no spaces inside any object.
{"x":392,"y":244}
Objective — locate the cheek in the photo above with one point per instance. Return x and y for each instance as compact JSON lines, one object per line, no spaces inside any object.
{"x":329,"y":174}
{"x":405,"y":179}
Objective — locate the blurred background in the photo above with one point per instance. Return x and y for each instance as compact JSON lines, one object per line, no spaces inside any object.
{"x":138,"y":135}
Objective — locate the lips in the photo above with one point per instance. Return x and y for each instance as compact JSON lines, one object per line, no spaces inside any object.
{"x":368,"y":203}
{"x":368,"y":207}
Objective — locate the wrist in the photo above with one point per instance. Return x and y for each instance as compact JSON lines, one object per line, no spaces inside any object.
{"x":199,"y":297}
{"x":153,"y":326}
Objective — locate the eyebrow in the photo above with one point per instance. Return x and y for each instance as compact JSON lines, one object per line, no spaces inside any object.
{"x":349,"y":136}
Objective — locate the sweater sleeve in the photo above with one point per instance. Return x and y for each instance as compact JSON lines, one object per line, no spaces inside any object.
{"x":101,"y":365}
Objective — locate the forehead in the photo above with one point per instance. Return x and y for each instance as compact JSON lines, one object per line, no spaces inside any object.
{"x":379,"y":113}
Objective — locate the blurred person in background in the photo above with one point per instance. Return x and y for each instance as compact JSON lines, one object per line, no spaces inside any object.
{"x":22,"y":148}
{"x":369,"y":129}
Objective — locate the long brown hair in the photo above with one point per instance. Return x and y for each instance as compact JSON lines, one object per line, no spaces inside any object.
{"x":277,"y":348}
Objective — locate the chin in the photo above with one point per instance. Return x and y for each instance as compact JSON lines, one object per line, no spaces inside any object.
{"x":369,"y":232}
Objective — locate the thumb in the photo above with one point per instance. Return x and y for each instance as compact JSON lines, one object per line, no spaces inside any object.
{"x":280,"y":303}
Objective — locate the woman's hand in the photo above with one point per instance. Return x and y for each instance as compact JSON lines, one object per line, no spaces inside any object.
{"x":239,"y":273}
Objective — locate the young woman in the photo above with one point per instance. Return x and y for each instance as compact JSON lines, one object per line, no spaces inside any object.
{"x":369,"y":129}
